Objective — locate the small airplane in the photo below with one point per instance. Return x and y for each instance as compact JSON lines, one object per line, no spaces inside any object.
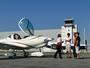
{"x":15,"y":42}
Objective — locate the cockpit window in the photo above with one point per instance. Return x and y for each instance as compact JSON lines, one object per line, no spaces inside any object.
{"x":15,"y":36}
{"x":9,"y":36}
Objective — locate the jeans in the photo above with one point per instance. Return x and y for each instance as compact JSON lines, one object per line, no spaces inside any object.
{"x":58,"y":52}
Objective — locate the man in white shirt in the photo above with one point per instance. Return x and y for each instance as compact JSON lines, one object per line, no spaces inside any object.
{"x":68,"y":45}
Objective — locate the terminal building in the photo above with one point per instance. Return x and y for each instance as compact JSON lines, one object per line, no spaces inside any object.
{"x":69,"y":27}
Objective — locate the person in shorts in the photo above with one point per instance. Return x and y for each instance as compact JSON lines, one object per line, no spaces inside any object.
{"x":68,"y":45}
{"x":74,"y":49}
{"x":77,"y":46}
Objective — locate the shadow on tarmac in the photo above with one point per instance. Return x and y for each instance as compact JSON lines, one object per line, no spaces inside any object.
{"x":46,"y":56}
{"x":84,"y":58}
{"x":21,"y":57}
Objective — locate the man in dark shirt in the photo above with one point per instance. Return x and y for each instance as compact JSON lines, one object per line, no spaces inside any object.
{"x":77,"y":45}
{"x":74,"y":49}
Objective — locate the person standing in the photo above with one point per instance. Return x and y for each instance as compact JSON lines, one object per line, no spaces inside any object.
{"x":68,"y":45}
{"x":58,"y":46}
{"x":74,"y":49}
{"x":78,"y":45}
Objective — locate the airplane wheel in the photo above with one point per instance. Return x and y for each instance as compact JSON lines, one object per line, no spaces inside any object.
{"x":12,"y":56}
{"x":26,"y":54}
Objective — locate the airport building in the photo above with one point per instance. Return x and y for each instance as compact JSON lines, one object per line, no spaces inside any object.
{"x":69,"y":27}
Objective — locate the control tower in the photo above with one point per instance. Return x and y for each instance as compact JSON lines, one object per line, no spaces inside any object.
{"x":69,"y":27}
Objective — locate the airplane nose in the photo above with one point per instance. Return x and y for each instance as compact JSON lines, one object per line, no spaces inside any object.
{"x":46,"y":40}
{"x":50,"y":39}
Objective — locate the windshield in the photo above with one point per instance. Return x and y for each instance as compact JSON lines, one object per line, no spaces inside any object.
{"x":26,"y":26}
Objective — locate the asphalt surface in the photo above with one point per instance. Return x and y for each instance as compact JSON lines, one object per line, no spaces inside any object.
{"x":45,"y":62}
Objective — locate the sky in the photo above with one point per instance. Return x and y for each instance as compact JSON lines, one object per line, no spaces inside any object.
{"x":45,"y":14}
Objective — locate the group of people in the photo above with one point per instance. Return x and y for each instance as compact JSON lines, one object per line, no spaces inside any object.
{"x":76,"y":47}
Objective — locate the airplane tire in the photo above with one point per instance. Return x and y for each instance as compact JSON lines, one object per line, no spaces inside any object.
{"x":26,"y":54}
{"x":13,"y":56}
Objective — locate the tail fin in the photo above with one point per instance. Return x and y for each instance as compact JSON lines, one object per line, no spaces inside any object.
{"x":26,"y":26}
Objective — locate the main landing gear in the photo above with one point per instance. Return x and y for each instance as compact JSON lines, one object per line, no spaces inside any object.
{"x":25,"y":54}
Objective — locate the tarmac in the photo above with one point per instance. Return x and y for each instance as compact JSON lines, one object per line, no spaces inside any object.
{"x":46,"y":61}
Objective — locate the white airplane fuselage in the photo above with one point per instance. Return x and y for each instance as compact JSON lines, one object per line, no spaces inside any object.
{"x":31,"y":41}
{"x":15,"y":41}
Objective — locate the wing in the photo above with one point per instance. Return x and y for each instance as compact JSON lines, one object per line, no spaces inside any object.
{"x":12,"y":46}
{"x":9,"y":43}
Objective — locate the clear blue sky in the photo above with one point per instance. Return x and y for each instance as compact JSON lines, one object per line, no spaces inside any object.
{"x":45,"y":14}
